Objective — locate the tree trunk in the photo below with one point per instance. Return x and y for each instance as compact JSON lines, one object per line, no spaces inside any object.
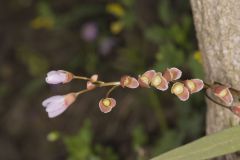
{"x":217,"y":24}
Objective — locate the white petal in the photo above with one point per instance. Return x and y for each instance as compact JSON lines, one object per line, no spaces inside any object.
{"x":56,"y":113}
{"x":49,"y":100}
{"x":54,"y":106}
{"x":54,"y":79}
{"x":51,"y":73}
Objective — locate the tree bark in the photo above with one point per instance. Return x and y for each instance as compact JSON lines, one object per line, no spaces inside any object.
{"x":217,"y":24}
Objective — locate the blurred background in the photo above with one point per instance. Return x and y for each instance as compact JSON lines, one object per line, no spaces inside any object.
{"x":111,"y":38}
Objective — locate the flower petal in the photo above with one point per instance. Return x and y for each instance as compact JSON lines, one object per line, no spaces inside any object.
{"x":133,"y":83}
{"x":146,"y":78}
{"x":55,"y":106}
{"x":223,"y":93}
{"x":107,"y":104}
{"x":56,"y":113}
{"x":177,"y":88}
{"x":172,"y":74}
{"x":130,"y":82}
{"x":159,"y":82}
{"x":58,"y":98}
{"x":184,"y":95}
{"x":176,"y":73}
{"x":60,"y":76}
{"x":194,"y":85}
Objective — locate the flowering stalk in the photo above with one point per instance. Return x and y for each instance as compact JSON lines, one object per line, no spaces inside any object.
{"x":170,"y":78}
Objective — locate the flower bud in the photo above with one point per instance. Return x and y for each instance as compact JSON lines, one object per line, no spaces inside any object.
{"x":60,"y":76}
{"x":194,"y":85}
{"x":107,"y":104}
{"x":130,"y":82}
{"x":90,"y":84}
{"x":223,"y":93}
{"x":180,"y":91}
{"x":94,"y":78}
{"x":159,"y":82}
{"x":172,"y":74}
{"x":145,"y":79}
{"x":56,"y":105}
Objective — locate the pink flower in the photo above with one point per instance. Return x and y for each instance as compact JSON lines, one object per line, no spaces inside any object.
{"x":129,"y":82}
{"x":172,"y":74}
{"x":60,"y":76}
{"x":194,"y":85}
{"x":223,"y":93}
{"x":180,"y":91}
{"x":107,"y":104}
{"x":159,"y":82}
{"x":56,"y":105}
{"x":146,"y":78}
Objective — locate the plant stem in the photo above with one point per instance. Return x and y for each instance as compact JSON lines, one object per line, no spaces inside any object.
{"x":109,"y":84}
{"x":110,"y":90}
{"x":80,"y":77}
{"x":82,"y":91}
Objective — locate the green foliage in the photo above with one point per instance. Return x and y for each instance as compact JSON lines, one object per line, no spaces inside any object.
{"x":211,"y":146}
{"x":169,"y":140}
{"x":80,"y":146}
{"x":139,"y":137}
{"x":167,"y":56}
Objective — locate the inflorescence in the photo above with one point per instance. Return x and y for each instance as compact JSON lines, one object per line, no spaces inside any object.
{"x":56,"y":105}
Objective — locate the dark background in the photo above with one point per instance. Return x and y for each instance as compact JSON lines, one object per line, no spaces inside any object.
{"x":110,"y":38}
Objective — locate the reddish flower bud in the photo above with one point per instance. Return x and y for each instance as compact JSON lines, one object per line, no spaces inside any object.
{"x":172,"y":74}
{"x":223,"y":93}
{"x":236,"y":110}
{"x":194,"y":85}
{"x":130,"y":82}
{"x":90,"y":84}
{"x":145,"y":79}
{"x":180,"y":91}
{"x":107,"y":104}
{"x":94,"y":78}
{"x":159,"y":82}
